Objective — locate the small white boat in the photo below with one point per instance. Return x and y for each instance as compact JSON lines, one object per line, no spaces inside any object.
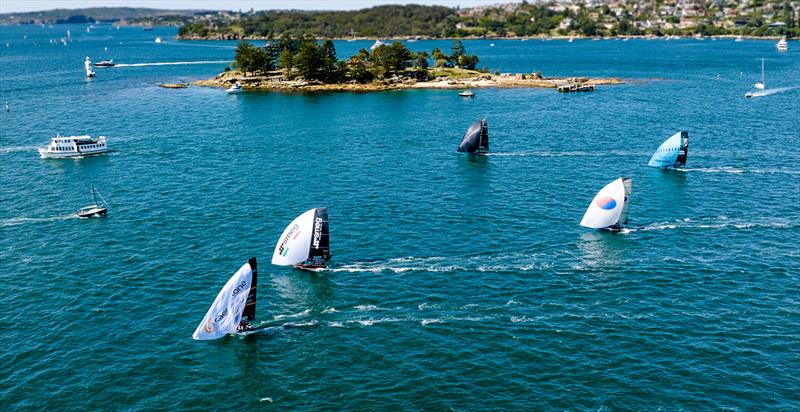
{"x":377,"y":44}
{"x":782,"y":45}
{"x":236,"y":88}
{"x":760,"y":84}
{"x":98,"y":209}
{"x":467,"y":93}
{"x":73,"y":146}
{"x":158,"y":40}
{"x":739,"y":38}
{"x":105,"y":63}
{"x":87,"y":64}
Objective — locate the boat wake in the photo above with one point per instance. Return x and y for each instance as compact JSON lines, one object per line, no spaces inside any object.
{"x":736,"y":170}
{"x":564,"y":154}
{"x":768,"y":92}
{"x":16,"y":149}
{"x":719,"y":222}
{"x":514,"y":262}
{"x":172,"y":63}
{"x":15,"y":221}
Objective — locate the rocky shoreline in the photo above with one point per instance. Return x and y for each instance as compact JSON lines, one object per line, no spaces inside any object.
{"x":467,"y":79}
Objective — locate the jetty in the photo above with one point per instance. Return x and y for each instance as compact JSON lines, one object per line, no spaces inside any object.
{"x":571,"y":86}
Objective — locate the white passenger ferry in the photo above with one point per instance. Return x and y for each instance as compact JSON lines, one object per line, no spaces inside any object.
{"x":73,"y":146}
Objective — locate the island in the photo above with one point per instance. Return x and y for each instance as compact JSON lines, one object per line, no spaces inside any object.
{"x":305,"y":64}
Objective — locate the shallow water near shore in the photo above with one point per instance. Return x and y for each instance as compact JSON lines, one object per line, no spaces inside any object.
{"x":457,"y":282}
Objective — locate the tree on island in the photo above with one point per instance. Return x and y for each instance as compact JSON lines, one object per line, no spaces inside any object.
{"x":252,"y":59}
{"x":391,"y":59}
{"x":306,"y":58}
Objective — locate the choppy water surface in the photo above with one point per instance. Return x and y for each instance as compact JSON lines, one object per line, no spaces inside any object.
{"x":457,"y":283}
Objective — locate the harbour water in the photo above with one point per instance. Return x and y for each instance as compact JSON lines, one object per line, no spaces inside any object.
{"x":457,"y":282}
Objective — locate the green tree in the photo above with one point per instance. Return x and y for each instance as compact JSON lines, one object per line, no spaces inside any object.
{"x":440,"y":59}
{"x":421,"y":60}
{"x":391,"y":59}
{"x":468,"y":61}
{"x":457,"y":50}
{"x":309,"y":61}
{"x":252,"y":59}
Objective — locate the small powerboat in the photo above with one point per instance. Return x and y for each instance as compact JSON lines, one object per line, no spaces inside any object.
{"x":158,"y":39}
{"x":782,"y":45}
{"x":99,"y":208}
{"x":236,"y":88}
{"x":467,"y":93}
{"x":105,"y":63}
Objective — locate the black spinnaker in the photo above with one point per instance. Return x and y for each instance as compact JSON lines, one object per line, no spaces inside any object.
{"x":476,"y":140}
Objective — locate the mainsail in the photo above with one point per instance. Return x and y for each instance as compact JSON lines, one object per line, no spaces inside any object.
{"x":609,"y":208}
{"x":476,"y":140}
{"x":672,"y":153}
{"x":306,"y":239}
{"x":234,"y":303}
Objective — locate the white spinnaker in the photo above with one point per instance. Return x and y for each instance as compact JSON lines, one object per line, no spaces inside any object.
{"x":606,"y":207}
{"x":294,"y":243}
{"x":225,"y":313}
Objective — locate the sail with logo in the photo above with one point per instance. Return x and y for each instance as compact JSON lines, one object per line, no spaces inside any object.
{"x":609,"y":208}
{"x":234,"y":306}
{"x":672,"y":153}
{"x":476,"y":140}
{"x":305,"y":243}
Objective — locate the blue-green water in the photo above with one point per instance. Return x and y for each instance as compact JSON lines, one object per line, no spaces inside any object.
{"x":457,"y":283}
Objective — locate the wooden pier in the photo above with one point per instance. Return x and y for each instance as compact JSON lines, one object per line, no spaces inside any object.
{"x":567,"y":86}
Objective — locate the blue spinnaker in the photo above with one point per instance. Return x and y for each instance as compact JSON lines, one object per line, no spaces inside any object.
{"x":672,"y":153}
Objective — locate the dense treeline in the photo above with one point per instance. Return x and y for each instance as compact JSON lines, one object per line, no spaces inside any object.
{"x":526,"y":19}
{"x":91,"y":14}
{"x":306,"y":58}
{"x":380,"y":21}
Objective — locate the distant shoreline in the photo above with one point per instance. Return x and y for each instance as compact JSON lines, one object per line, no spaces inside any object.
{"x":521,"y":38}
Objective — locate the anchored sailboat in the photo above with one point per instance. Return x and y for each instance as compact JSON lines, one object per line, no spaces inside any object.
{"x":99,"y":208}
{"x":672,"y":153}
{"x":234,"y":306}
{"x":609,"y":208}
{"x":305,"y":243}
{"x":760,"y":84}
{"x":476,"y":140}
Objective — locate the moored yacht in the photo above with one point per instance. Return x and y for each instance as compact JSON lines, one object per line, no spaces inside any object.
{"x":235,"y":88}
{"x":377,"y":44}
{"x":782,"y":45}
{"x":73,"y":146}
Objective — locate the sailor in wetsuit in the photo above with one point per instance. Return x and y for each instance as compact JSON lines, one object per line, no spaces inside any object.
{"x":244,"y":326}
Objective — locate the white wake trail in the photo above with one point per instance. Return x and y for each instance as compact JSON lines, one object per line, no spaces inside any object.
{"x":171,"y":63}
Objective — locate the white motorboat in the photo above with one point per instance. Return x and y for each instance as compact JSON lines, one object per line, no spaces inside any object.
{"x":236,"y":88}
{"x":105,"y":63}
{"x":377,"y":44}
{"x":73,"y":146}
{"x":782,"y":45}
{"x":158,"y":39}
{"x":99,"y":208}
{"x":467,"y":93}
